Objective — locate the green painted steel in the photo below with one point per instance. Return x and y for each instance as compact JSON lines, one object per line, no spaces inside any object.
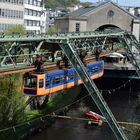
{"x":128,"y":49}
{"x":17,"y":49}
{"x":93,"y":90}
{"x":59,"y":37}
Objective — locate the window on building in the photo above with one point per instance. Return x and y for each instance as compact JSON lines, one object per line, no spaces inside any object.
{"x":27,"y":22}
{"x":38,"y":23}
{"x":38,"y":3}
{"x":2,"y":12}
{"x":27,"y":1}
{"x":21,"y":14}
{"x":30,"y":1}
{"x":26,"y":11}
{"x":21,"y":2}
{"x":30,"y":22}
{"x":34,"y":13}
{"x":5,"y":13}
{"x":30,"y":12}
{"x":14,"y":14}
{"x":77,"y":27}
{"x":8,"y":13}
{"x":11,"y":13}
{"x":35,"y":2}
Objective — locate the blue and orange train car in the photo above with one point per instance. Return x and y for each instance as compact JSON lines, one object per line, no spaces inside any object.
{"x":38,"y":84}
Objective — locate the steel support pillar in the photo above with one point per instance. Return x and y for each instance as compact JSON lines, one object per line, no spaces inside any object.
{"x":93,"y":90}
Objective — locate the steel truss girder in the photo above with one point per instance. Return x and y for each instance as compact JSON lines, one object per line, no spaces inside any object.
{"x":93,"y":90}
{"x":128,"y":49}
{"x":18,"y":51}
{"x":57,"y":38}
{"x":87,"y":41}
{"x":133,"y":41}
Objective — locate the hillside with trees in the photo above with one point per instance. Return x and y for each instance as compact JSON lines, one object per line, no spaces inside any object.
{"x":63,"y":3}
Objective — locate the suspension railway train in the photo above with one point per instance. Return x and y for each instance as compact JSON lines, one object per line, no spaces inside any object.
{"x":38,"y":84}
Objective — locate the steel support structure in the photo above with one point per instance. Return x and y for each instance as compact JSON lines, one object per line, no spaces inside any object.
{"x":17,"y":50}
{"x":128,"y":49}
{"x":94,"y":92}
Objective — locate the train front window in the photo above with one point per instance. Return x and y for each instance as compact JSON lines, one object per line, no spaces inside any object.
{"x":30,"y":81}
{"x":41,"y":83}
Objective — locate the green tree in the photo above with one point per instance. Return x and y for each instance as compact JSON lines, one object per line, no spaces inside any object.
{"x":60,"y":3}
{"x":85,"y":4}
{"x":19,"y":29}
{"x":53,"y":29}
{"x":12,"y":103}
{"x":52,"y":4}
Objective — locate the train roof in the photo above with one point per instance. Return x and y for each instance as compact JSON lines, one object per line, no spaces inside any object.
{"x":57,"y":70}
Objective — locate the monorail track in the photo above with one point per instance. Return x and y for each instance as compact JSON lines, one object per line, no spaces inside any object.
{"x":51,"y":65}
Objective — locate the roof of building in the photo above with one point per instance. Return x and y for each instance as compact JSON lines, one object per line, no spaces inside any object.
{"x":84,"y":10}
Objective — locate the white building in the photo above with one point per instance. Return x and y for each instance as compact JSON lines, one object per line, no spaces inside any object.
{"x":74,"y":7}
{"x":29,"y":13}
{"x":43,"y":21}
{"x":137,"y":11}
{"x":131,"y":10}
{"x":34,"y":17}
{"x":11,"y":13}
{"x":51,"y":14}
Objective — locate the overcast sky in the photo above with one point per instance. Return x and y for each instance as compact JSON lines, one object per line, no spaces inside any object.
{"x":121,"y":2}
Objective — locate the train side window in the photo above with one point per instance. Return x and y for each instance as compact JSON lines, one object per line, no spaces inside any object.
{"x":62,"y":78}
{"x":57,"y":80}
{"x":91,"y":70}
{"x":41,"y":83}
{"x":101,"y":67}
{"x":96,"y":69}
{"x":47,"y":82}
{"x":52,"y":81}
{"x":70,"y":76}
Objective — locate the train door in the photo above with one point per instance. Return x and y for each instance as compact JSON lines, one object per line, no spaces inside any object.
{"x":41,"y":85}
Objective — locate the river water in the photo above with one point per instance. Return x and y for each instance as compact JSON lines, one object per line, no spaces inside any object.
{"x":122,"y":104}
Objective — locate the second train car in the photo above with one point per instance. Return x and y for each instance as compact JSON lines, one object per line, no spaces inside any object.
{"x":38,"y":84}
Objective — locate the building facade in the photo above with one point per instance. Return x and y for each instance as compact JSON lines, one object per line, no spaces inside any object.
{"x":51,"y":14}
{"x":99,"y":16}
{"x":11,"y":13}
{"x":29,"y":13}
{"x":34,"y":16}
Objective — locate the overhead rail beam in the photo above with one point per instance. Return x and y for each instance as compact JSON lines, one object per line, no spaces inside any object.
{"x":58,"y":38}
{"x":18,"y":50}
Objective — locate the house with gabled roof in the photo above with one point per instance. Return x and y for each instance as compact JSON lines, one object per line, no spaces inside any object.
{"x":99,"y":16}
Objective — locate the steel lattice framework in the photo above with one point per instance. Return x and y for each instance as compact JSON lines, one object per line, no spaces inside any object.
{"x":18,"y":50}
